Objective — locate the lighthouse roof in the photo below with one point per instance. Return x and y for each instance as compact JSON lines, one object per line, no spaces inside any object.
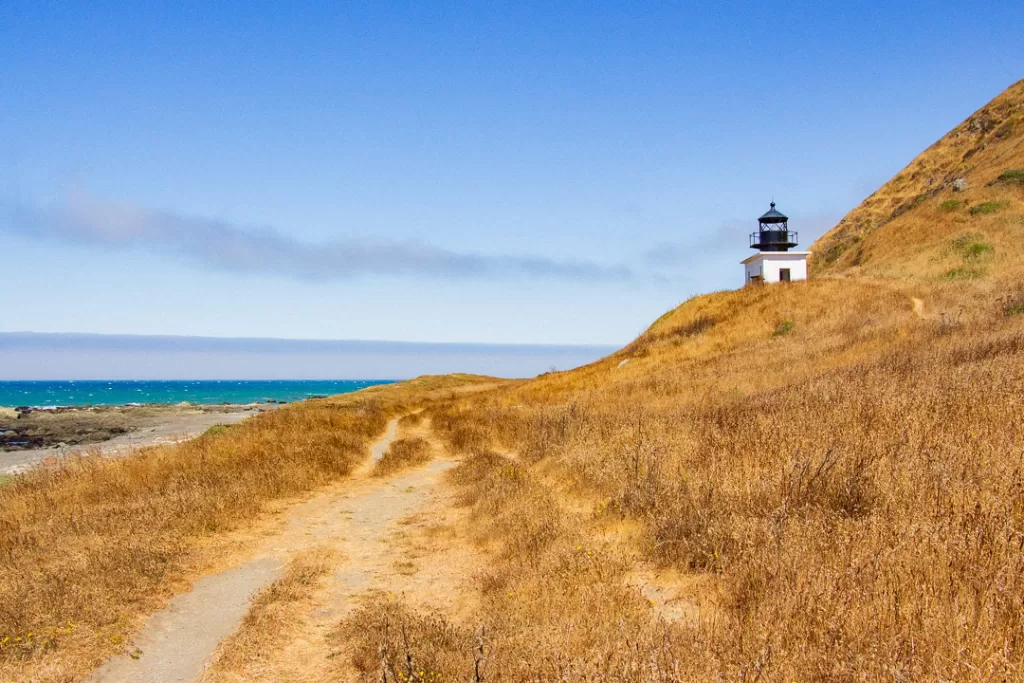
{"x":773,"y":216}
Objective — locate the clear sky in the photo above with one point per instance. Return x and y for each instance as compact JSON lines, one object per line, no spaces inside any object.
{"x":535,"y":172}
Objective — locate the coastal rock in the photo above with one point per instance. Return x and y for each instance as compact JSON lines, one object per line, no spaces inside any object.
{"x":960,"y":184}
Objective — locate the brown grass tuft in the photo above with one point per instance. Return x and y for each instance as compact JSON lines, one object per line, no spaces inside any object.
{"x":270,"y":617}
{"x":402,"y":454}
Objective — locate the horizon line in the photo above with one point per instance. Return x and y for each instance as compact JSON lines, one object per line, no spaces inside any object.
{"x":275,"y":343}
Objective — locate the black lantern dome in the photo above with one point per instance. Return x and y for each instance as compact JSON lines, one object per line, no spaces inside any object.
{"x":773,"y":232}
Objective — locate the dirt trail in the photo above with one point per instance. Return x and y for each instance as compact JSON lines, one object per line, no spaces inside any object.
{"x":393,"y":536}
{"x":176,"y":641}
{"x":379,"y":448}
{"x":359,"y":516}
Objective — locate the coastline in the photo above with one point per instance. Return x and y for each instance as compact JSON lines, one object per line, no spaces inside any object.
{"x":52,"y":434}
{"x":62,"y":394}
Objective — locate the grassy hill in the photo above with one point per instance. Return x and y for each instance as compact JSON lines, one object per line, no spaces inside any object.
{"x":955,"y":212}
{"x":816,"y":481}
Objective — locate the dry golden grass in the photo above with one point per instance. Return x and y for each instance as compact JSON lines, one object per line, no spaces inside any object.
{"x":849,"y":491}
{"x":546,"y":579}
{"x":411,"y":420}
{"x":402,"y":454}
{"x":88,"y":547}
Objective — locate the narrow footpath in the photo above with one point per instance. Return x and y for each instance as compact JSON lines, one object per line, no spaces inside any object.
{"x":376,"y":525}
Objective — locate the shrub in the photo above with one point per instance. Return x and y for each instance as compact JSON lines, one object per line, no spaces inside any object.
{"x":216,"y":429}
{"x":950,"y":205}
{"x":977,"y":249}
{"x":964,"y":273}
{"x":988,"y":207}
{"x":403,"y":453}
{"x":784,"y":328}
{"x":970,"y":246}
{"x":411,"y":420}
{"x":1014,"y":176}
{"x":1013,"y":304}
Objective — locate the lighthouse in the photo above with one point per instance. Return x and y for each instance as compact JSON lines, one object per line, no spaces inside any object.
{"x":774,"y":262}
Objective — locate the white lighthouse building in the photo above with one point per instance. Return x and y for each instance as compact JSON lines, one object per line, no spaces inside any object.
{"x":774,"y":262}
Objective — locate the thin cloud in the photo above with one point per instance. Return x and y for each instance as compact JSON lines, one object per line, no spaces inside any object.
{"x":731,"y":236}
{"x":218,"y":245}
{"x":728,"y":235}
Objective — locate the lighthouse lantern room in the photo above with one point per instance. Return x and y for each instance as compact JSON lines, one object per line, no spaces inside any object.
{"x":774,"y":262}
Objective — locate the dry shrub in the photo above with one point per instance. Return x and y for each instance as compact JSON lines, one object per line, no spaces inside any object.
{"x":403,"y":453}
{"x":411,"y":420}
{"x":394,"y":644}
{"x":460,"y":436}
{"x":510,"y":504}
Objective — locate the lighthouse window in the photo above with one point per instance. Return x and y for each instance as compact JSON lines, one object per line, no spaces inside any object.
{"x":784,"y":274}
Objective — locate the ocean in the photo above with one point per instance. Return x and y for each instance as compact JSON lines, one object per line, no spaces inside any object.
{"x":121,"y":392}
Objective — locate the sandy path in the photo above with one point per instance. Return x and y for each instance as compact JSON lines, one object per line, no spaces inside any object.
{"x":175,"y":642}
{"x":393,"y":536}
{"x":378,"y":449}
{"x":366,"y":519}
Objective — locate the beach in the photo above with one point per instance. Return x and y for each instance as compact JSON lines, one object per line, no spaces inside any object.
{"x":32,"y":437}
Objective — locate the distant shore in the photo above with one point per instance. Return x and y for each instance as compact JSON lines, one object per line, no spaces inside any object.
{"x":57,"y":394}
{"x":31,"y":436}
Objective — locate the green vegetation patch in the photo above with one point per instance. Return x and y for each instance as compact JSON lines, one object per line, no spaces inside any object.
{"x":6,"y":480}
{"x":950,"y":205}
{"x":1013,"y":176}
{"x":216,"y":430}
{"x":971,"y":246}
{"x":1016,"y":308}
{"x":964,"y":273}
{"x":988,"y":207}
{"x":1013,"y":304}
{"x":977,"y":250}
{"x":784,"y":328}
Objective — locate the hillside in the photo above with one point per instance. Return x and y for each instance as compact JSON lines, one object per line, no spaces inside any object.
{"x":816,"y":481}
{"x":955,"y":212}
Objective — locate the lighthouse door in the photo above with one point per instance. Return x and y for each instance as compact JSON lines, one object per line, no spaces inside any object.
{"x":784,"y":275}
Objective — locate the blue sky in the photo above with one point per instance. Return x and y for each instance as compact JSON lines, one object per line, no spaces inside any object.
{"x":550,"y":173}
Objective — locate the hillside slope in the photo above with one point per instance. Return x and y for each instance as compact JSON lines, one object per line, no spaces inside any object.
{"x":955,"y":212}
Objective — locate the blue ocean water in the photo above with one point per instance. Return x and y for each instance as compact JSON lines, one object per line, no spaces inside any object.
{"x":120,"y":392}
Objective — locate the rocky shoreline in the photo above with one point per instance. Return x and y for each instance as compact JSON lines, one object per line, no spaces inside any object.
{"x":32,"y":435}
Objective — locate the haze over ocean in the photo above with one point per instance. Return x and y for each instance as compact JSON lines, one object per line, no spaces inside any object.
{"x":31,"y":356}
